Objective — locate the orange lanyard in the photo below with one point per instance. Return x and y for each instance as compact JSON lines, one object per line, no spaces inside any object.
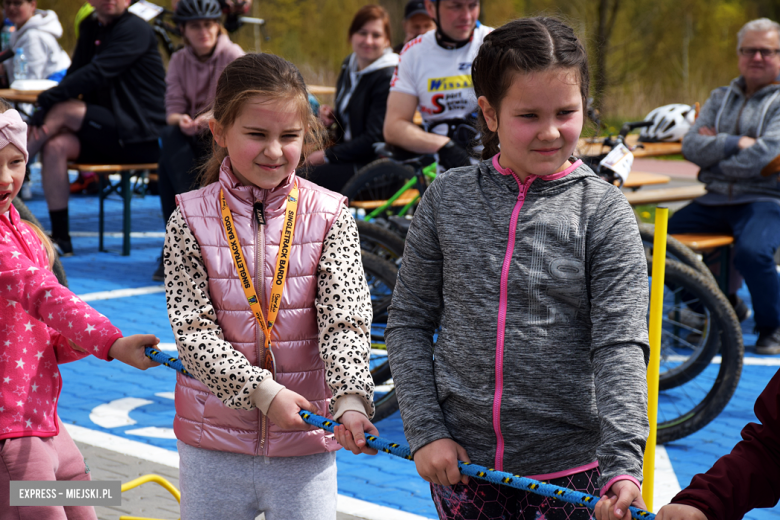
{"x":280,"y":274}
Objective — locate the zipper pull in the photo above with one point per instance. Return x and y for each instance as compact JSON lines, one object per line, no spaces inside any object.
{"x":259,"y":214}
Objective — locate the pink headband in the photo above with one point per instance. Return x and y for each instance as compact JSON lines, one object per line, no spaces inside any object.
{"x":13,"y":131}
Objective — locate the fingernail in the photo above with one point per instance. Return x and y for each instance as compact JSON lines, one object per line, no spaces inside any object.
{"x":618,"y":512}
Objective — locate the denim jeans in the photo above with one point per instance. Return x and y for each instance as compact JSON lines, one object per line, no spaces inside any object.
{"x":756,"y":230}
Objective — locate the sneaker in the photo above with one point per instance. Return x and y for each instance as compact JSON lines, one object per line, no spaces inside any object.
{"x":689,"y":318}
{"x":740,"y":308}
{"x":26,"y":191}
{"x":63,"y":246}
{"x":85,"y":183}
{"x":159,"y":273}
{"x":768,"y":343}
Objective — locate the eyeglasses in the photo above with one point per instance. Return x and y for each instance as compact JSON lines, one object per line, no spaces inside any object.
{"x":751,"y":51}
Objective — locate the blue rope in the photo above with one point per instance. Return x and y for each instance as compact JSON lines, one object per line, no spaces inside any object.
{"x":502,"y":478}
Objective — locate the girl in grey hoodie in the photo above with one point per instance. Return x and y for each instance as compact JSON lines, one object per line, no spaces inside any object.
{"x":533,"y":269}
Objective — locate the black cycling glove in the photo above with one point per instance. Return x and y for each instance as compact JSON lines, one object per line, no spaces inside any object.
{"x":451,"y":156}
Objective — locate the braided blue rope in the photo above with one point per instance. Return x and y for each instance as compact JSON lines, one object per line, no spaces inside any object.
{"x":168,"y":361}
{"x":502,"y":478}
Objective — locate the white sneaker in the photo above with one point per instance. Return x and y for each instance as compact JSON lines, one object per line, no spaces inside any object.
{"x":26,"y":192}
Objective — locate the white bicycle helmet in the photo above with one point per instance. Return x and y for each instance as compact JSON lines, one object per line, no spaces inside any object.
{"x":670,"y":123}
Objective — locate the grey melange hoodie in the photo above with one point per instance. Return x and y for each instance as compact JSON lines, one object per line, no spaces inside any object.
{"x":574,"y":356}
{"x":733,"y":175}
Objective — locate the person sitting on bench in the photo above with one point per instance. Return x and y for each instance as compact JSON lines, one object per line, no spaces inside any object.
{"x":119,"y":76}
{"x":736,"y":142}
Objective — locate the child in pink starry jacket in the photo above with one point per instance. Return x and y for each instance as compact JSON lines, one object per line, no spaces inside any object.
{"x":42,"y":324}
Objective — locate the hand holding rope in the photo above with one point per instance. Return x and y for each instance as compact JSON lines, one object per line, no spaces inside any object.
{"x":502,"y":478}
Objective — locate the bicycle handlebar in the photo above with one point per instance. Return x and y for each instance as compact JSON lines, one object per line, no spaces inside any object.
{"x":627,"y":127}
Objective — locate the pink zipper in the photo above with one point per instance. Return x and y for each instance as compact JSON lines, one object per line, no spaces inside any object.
{"x":502,"y":304}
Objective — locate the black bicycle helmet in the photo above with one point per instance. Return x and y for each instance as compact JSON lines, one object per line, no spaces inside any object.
{"x":189,"y":10}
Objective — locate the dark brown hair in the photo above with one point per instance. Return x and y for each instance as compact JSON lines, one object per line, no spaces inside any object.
{"x":524,"y":45}
{"x":271,"y":77}
{"x":369,"y":13}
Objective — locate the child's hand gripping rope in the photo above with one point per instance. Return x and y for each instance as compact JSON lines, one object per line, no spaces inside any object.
{"x":472,"y":470}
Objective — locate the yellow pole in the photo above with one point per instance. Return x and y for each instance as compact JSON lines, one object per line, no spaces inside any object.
{"x":654,"y":332}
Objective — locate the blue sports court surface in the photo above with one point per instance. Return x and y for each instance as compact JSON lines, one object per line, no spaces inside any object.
{"x":120,"y":401}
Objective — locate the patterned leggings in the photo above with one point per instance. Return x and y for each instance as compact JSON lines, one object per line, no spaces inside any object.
{"x":480,"y":500}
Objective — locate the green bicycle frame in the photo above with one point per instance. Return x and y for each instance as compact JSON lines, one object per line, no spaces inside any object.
{"x":429,"y":171}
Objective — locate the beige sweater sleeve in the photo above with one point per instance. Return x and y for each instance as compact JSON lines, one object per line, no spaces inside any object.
{"x":344,"y":315}
{"x":202,"y":346}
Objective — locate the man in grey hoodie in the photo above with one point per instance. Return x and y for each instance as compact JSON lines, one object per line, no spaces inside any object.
{"x":736,"y":142}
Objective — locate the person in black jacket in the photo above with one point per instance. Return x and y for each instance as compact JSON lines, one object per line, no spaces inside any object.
{"x":109,"y":108}
{"x":361,"y":101}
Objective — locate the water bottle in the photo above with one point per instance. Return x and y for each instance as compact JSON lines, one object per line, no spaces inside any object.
{"x":5,"y":34}
{"x":20,"y":65}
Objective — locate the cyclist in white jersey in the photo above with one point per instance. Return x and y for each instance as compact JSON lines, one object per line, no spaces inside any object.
{"x":434,"y":76}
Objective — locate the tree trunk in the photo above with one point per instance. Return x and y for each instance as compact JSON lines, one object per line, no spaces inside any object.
{"x":607,"y":12}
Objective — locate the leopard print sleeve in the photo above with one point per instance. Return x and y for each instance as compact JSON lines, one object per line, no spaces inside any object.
{"x":199,"y":339}
{"x":344,"y":316}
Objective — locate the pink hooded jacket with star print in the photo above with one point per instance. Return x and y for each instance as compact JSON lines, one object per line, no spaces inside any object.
{"x":37,"y":318}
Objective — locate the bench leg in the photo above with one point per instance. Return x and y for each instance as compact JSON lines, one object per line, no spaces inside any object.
{"x":101,"y":221}
{"x":127,"y":197}
{"x":724,"y":254}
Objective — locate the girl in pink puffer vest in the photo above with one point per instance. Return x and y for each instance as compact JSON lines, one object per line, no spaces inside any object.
{"x":270,"y":310}
{"x":42,"y":325}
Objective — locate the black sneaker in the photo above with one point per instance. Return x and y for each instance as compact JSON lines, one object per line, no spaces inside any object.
{"x":740,"y":308}
{"x":159,"y":273}
{"x":63,"y":246}
{"x":768,"y":343}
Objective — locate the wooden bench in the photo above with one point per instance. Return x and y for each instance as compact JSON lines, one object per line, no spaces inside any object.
{"x":704,"y":243}
{"x":122,"y":188}
{"x":714,"y":244}
{"x":662,"y":195}
{"x":405,"y":198}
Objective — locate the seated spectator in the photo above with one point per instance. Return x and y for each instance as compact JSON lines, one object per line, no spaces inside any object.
{"x":361,"y":100}
{"x":191,"y":84}
{"x":417,"y":21}
{"x":36,"y":33}
{"x":736,"y":142}
{"x":109,"y":108}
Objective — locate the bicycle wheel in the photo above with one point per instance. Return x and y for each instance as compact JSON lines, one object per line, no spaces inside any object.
{"x":380,"y":275}
{"x":26,"y":214}
{"x":697,"y":385}
{"x":380,"y":241}
{"x":674,"y":249}
{"x":378,"y":180}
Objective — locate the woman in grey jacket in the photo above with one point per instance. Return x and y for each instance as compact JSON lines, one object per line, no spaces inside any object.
{"x":533,"y":268}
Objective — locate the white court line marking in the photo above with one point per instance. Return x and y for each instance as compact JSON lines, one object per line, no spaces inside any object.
{"x":747,"y":360}
{"x":117,"y":412}
{"x":666,"y":485}
{"x":140,"y":450}
{"x":121,"y":293}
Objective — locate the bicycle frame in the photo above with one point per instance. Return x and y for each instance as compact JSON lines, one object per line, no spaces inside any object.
{"x":427,"y":171}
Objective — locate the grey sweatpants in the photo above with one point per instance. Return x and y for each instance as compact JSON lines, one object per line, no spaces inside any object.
{"x":217,"y":484}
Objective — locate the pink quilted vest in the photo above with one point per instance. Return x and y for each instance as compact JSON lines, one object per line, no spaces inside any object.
{"x":201,"y":419}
